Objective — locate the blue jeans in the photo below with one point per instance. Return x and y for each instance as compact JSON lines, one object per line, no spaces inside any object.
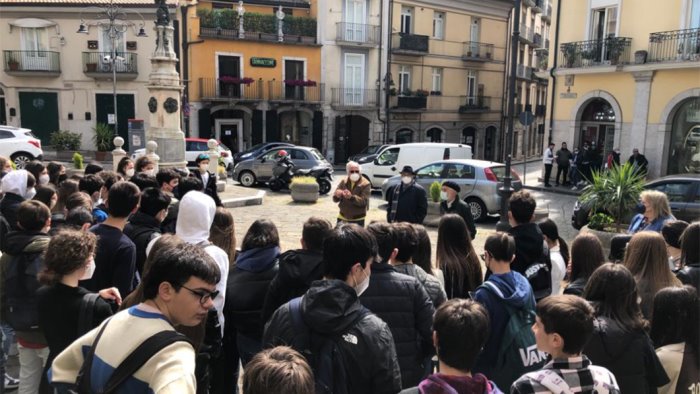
{"x":247,"y":348}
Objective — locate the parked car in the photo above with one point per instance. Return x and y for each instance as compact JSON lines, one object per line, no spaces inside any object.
{"x":682,"y":190}
{"x":393,"y":158}
{"x":368,"y":154}
{"x":259,"y":169}
{"x":256,"y":150}
{"x":195,"y":146}
{"x":478,"y":180}
{"x":20,"y":145}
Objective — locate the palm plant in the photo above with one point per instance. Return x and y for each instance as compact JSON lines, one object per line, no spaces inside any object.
{"x":615,"y":191}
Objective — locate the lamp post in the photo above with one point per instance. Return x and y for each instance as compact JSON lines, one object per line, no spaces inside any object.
{"x":506,"y":190}
{"x":113,"y":20}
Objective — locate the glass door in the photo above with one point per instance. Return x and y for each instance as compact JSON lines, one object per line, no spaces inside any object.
{"x":355,"y":21}
{"x":229,"y":68}
{"x":354,"y":78}
{"x":34,"y":46}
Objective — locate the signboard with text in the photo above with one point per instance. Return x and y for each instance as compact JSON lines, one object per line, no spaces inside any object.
{"x":262,"y":62}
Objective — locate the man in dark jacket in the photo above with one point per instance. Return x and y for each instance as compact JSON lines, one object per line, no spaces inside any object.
{"x":639,"y":161}
{"x":331,"y":307}
{"x":298,"y":268}
{"x":563,"y":157}
{"x":408,"y":202}
{"x":144,"y":225}
{"x":409,"y":314}
{"x":451,"y":203}
{"x":208,"y":179}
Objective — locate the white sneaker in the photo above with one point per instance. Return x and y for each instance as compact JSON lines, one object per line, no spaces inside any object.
{"x":10,"y":382}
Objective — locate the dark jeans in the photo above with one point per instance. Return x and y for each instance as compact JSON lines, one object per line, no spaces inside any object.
{"x":547,"y":173}
{"x":247,"y":348}
{"x":360,"y":223}
{"x":565,"y":170}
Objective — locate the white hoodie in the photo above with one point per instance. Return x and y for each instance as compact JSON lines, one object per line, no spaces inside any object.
{"x":194,"y":219}
{"x":15,"y":182}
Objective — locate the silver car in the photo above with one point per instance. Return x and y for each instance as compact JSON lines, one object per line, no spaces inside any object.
{"x":249,"y":172}
{"x":478,"y":180}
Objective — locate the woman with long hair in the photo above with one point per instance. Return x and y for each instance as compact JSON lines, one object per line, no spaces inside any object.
{"x":46,"y":194}
{"x":456,"y":257}
{"x":654,"y":212}
{"x":57,"y":173}
{"x":647,"y":259}
{"x":222,"y":233}
{"x":126,"y":168}
{"x":423,"y":254}
{"x":689,"y":272}
{"x":619,"y":341}
{"x":558,"y":252}
{"x":674,"y":330}
{"x":586,"y":256}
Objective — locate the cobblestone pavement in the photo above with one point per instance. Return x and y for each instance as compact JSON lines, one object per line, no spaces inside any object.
{"x":289,"y":216}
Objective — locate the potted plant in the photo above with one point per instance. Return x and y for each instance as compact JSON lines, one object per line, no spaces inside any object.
{"x":304,"y":189}
{"x":640,"y":57}
{"x":77,"y":161}
{"x":91,"y":67}
{"x":421,"y":93}
{"x":433,"y":217}
{"x":65,"y":142}
{"x":103,"y":140}
{"x":569,"y":51}
{"x":615,"y":46}
{"x":12,"y":63}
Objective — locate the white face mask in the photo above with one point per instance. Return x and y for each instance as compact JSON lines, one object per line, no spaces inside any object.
{"x":30,"y":194}
{"x":203,"y":167}
{"x":130,"y":172}
{"x":43,"y":179}
{"x":90,"y":270}
{"x":443,"y":196}
{"x":149,"y":172}
{"x":363,"y":285}
{"x":355,"y":177}
{"x":406,"y":179}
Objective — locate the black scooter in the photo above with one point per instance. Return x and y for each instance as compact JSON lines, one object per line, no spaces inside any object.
{"x":284,"y":171}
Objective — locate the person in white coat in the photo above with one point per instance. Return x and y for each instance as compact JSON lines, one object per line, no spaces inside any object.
{"x":558,"y":253}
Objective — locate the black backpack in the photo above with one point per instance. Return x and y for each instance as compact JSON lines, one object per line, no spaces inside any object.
{"x":539,"y":274}
{"x":323,"y":352}
{"x":20,"y":283}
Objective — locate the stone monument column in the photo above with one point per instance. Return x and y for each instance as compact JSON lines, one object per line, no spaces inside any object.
{"x":165,"y":93}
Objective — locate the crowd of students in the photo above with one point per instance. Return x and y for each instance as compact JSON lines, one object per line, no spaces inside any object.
{"x":352,"y":310}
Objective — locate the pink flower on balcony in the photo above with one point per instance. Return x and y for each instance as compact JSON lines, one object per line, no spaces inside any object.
{"x":299,"y":82}
{"x":229,"y":80}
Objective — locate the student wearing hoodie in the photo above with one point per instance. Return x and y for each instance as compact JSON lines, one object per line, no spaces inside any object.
{"x":17,"y":186}
{"x":248,"y":281}
{"x":144,"y":224}
{"x":194,"y":221}
{"x":298,"y":268}
{"x":516,"y":295}
{"x":460,"y":329}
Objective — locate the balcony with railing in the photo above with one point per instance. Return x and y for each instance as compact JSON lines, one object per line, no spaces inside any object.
{"x":409,"y":44}
{"x":474,"y":104}
{"x":356,"y":34}
{"x":353,"y":98}
{"x":296,"y":91}
{"x":526,"y":34}
{"x":409,"y":102}
{"x":547,"y":14}
{"x":537,"y":40}
{"x":583,"y":54}
{"x":98,"y":65}
{"x":478,"y":52}
{"x":230,"y":88}
{"x":306,"y":36}
{"x":674,"y":46}
{"x":34,"y":63}
{"x":540,"y":110}
{"x":538,"y":7}
{"x":524,"y":72}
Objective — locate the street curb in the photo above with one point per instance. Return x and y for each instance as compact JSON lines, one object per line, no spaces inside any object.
{"x":552,"y":190}
{"x":239,"y":202}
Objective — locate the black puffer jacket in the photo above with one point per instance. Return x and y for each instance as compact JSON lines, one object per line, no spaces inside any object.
{"x":528,"y":245}
{"x":576,"y":287}
{"x":412,"y":206}
{"x":690,"y":275}
{"x":330,"y":307}
{"x":628,"y":355}
{"x":141,"y":229}
{"x":9,"y":206}
{"x":297,"y":269}
{"x":402,"y":302}
{"x":460,"y":208}
{"x":430,"y":283}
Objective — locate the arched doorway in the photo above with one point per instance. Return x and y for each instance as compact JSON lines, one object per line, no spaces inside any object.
{"x":434,"y":134}
{"x":685,"y":138}
{"x":469,"y":137}
{"x":351,"y":136}
{"x":598,"y":126}
{"x":404,"y":136}
{"x":489,"y":142}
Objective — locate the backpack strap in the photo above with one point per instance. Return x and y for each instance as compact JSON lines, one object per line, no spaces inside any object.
{"x":551,"y":380}
{"x":139,"y":356}
{"x":82,"y":381}
{"x":493,"y":288}
{"x":85,"y":316}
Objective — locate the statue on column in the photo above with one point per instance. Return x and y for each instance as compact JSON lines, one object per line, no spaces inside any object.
{"x":280,"y":23}
{"x":162,"y":14}
{"x":241,"y":13}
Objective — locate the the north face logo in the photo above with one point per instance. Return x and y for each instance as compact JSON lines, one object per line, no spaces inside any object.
{"x":531,"y":356}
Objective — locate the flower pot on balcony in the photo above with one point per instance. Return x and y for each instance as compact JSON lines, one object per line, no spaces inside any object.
{"x":14,"y":66}
{"x":91,"y":67}
{"x":640,"y":57}
{"x":413,"y":102}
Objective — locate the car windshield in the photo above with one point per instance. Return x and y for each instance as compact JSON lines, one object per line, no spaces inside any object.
{"x":370,"y":150}
{"x":255,"y":147}
{"x":317,"y":155}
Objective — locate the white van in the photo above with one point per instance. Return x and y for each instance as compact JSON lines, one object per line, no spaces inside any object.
{"x":392,"y":159}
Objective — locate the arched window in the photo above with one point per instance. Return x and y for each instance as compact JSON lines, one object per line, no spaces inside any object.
{"x":435,"y":135}
{"x":404,"y":136}
{"x":684,"y":156}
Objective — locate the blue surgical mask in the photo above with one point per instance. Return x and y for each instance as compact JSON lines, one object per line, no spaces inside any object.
{"x":640,"y":208}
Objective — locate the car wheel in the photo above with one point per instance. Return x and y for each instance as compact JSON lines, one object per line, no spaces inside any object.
{"x":21,"y":159}
{"x":478,"y":208}
{"x":324,"y":186}
{"x":247,"y":178}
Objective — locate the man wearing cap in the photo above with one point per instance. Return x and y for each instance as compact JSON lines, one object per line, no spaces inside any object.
{"x":208,"y":179}
{"x":451,"y":203}
{"x":408,"y":202}
{"x":352,"y":196}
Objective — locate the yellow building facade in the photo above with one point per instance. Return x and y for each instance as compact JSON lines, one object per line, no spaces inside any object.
{"x":627,"y":75}
{"x":447,"y":62}
{"x":254,"y":78}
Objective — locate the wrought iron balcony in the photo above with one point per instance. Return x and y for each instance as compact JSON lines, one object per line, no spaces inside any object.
{"x":353,"y":98}
{"x":405,"y":103}
{"x":547,"y":15}
{"x":538,"y":7}
{"x":537,"y":40}
{"x":296,"y":91}
{"x":674,"y":46}
{"x":223,"y":89}
{"x":409,"y":44}
{"x":526,"y":34}
{"x":540,"y":110}
{"x":356,"y":34}
{"x":477,"y":51}
{"x":232,"y":34}
{"x":474,"y":104}
{"x":610,"y":51}
{"x":95,"y":65}
{"x":37,"y":63}
{"x":524,"y":72}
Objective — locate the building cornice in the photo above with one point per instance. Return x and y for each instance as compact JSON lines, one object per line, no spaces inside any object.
{"x":498,"y":9}
{"x":630,"y":68}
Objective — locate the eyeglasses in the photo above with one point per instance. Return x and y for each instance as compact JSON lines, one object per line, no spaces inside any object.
{"x":203,"y":295}
{"x":354,"y":172}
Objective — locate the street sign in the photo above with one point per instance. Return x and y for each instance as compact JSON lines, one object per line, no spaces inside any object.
{"x":526,"y":118}
{"x":263,"y":62}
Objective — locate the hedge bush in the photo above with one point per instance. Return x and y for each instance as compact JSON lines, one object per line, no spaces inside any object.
{"x":65,"y":140}
{"x":256,"y":22}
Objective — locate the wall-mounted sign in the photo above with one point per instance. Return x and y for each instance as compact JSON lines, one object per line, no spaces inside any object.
{"x":568,"y":95}
{"x":263,"y":62}
{"x":92,"y":44}
{"x":131,"y":45}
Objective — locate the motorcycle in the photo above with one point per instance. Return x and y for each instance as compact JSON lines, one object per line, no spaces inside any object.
{"x":284,"y":171}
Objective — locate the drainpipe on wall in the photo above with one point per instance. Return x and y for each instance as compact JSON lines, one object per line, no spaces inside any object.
{"x":554,"y":77}
{"x":185,"y":77}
